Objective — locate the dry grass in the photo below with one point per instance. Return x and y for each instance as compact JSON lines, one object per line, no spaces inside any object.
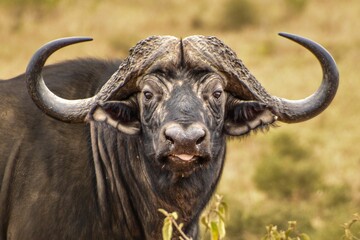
{"x":284,"y":69}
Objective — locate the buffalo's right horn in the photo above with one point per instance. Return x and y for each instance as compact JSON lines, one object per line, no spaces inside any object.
{"x":53,"y":105}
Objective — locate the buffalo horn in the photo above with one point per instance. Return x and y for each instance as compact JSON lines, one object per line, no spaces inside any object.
{"x":292,"y":111}
{"x":62,"y":109}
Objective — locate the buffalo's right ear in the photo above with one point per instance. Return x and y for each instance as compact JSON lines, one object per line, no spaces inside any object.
{"x":121,"y":115}
{"x":242,"y":117}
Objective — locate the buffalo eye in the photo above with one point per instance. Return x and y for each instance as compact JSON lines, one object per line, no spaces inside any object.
{"x":217,"y":94}
{"x":148,"y":95}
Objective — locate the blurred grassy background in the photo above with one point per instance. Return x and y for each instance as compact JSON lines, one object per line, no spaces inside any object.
{"x":307,"y":172}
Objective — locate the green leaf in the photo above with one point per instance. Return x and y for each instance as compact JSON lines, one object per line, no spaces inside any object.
{"x":221,"y":212}
{"x":163,"y":212}
{"x":288,"y":232}
{"x":167,"y":229}
{"x":304,"y":236}
{"x":223,"y":208}
{"x":214,"y":231}
{"x":221,"y":228}
{"x":175,"y":215}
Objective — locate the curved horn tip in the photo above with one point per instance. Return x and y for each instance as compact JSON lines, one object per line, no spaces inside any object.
{"x":287,"y":35}
{"x":62,"y":42}
{"x":75,"y":38}
{"x":293,"y":37}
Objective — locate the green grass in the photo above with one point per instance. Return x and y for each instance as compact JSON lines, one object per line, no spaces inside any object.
{"x":284,"y":68}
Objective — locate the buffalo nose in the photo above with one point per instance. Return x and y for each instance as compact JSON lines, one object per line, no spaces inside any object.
{"x":189,"y":137}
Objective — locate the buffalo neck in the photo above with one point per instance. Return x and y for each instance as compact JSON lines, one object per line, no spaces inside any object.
{"x":131,"y":187}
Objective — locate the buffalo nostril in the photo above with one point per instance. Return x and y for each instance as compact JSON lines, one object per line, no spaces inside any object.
{"x":168,"y":138}
{"x":200,"y":140}
{"x":197,"y":134}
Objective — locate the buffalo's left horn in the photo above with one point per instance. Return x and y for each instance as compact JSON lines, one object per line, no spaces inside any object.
{"x":53,"y":105}
{"x":292,"y":111}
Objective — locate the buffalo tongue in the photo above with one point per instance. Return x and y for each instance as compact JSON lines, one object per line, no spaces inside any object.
{"x":185,"y":157}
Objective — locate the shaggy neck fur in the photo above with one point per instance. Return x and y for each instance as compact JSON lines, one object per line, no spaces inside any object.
{"x":131,"y":187}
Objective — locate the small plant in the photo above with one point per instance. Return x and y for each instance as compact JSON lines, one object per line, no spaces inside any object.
{"x":169,"y":222}
{"x":349,"y":235}
{"x":214,"y":219}
{"x":290,"y":234}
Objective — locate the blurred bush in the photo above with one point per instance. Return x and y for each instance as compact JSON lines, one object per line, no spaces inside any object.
{"x":237,"y":14}
{"x":27,"y":3}
{"x":277,"y":215}
{"x":288,"y":170}
{"x":251,"y":225}
{"x":296,"y":6}
{"x":295,"y":189}
{"x":336,"y":195}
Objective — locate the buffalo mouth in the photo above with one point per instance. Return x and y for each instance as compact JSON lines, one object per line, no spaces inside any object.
{"x":184,"y":163}
{"x":184,"y":157}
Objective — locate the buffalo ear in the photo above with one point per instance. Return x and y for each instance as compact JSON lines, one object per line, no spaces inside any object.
{"x":121,"y":115}
{"x":242,"y":117}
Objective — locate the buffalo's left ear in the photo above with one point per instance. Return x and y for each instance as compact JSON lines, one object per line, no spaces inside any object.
{"x":244,"y":116}
{"x":121,"y":115}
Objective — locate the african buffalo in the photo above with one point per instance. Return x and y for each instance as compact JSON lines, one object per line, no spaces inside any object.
{"x":129,"y":137}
